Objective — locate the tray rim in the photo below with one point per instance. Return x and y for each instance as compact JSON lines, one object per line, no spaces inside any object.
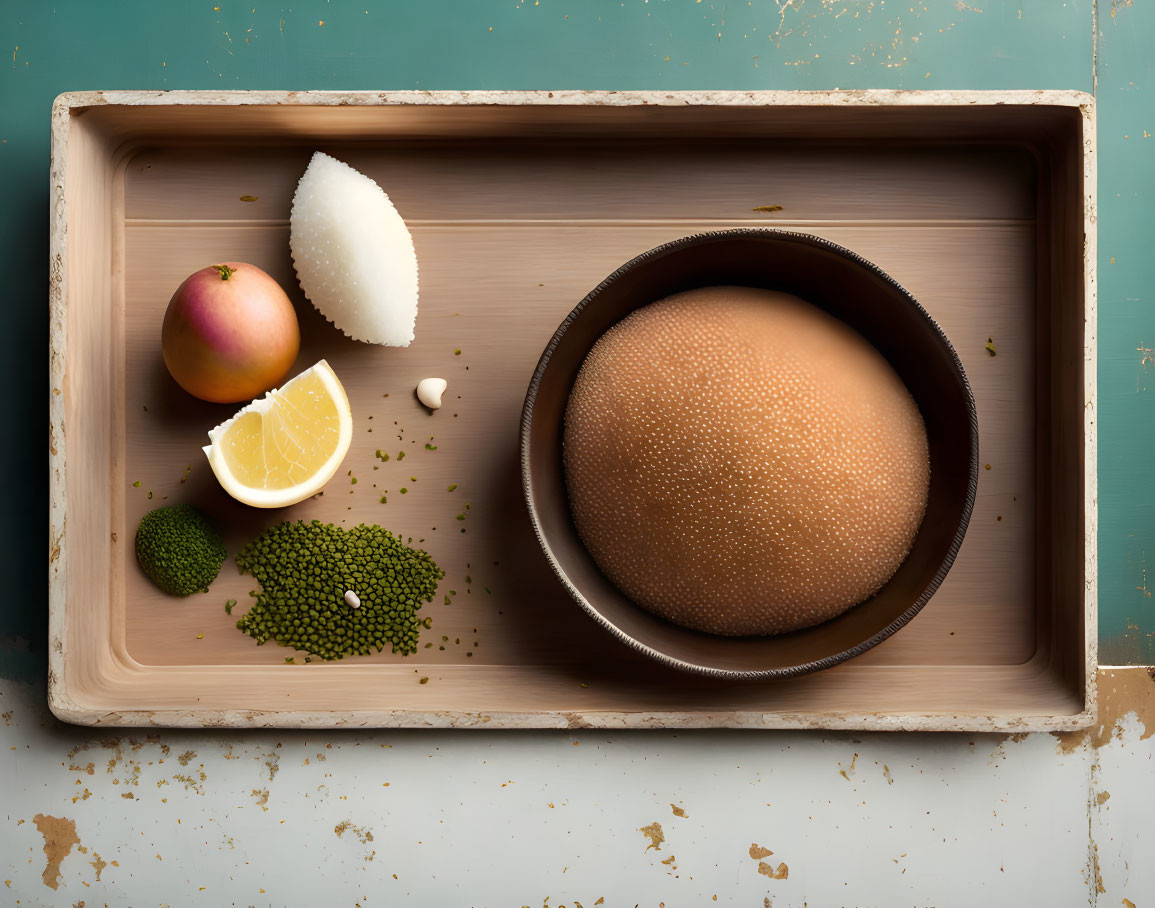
{"x":60,"y":698}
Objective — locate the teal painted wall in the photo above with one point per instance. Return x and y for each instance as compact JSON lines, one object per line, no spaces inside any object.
{"x":1126,"y":108}
{"x":643,"y":44}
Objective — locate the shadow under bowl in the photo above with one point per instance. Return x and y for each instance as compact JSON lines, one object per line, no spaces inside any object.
{"x":847,"y":287}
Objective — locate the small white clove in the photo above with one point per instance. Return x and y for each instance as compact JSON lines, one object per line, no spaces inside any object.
{"x":429,"y":391}
{"x":352,"y":598}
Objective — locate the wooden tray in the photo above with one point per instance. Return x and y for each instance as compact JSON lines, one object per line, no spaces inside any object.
{"x":981,"y":204}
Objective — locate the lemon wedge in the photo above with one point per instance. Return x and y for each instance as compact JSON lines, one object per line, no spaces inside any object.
{"x":285,"y":446}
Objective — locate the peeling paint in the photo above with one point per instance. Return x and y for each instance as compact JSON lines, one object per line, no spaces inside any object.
{"x":1146,"y":358}
{"x":363,"y":834}
{"x":780,"y":873}
{"x":59,"y":837}
{"x":1121,"y":691}
{"x":654,"y":833}
{"x":1117,"y":5}
{"x":1096,"y":873}
{"x":191,"y":783}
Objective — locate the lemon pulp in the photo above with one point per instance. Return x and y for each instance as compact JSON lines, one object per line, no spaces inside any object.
{"x":284,"y":447}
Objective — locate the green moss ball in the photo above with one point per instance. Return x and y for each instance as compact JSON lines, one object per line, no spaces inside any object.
{"x":179,"y":550}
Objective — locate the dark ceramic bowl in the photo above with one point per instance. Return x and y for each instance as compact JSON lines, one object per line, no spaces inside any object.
{"x":849,"y":288}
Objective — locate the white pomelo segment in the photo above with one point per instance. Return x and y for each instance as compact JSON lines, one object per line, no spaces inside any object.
{"x":353,"y":253}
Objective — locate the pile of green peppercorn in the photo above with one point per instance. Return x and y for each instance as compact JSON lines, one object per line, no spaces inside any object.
{"x":304,"y":570}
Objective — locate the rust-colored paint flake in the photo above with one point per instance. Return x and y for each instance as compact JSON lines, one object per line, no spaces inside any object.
{"x":59,"y":837}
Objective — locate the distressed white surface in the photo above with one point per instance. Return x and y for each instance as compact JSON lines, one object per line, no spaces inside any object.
{"x":1121,"y":825}
{"x":465,"y":817}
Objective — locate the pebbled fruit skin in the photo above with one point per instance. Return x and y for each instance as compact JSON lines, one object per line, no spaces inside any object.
{"x":230,"y":333}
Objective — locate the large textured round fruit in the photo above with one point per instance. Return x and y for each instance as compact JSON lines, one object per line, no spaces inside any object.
{"x":230,"y":333}
{"x":741,"y":463}
{"x":283,"y":448}
{"x":353,"y":253}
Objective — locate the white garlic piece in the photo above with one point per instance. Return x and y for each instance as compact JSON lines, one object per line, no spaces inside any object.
{"x":429,"y":391}
{"x":352,"y":598}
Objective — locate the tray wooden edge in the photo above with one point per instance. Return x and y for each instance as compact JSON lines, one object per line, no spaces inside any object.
{"x":60,"y":699}
{"x":870,"y":97}
{"x":1090,"y":406}
{"x":573,"y":721}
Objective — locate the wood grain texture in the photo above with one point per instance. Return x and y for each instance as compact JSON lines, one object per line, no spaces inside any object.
{"x":595,"y":179}
{"x":510,"y":235}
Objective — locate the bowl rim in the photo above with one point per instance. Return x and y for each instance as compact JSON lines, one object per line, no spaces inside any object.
{"x":709,"y":670}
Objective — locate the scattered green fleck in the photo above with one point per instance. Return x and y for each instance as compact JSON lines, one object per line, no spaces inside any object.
{"x":468,"y":580}
{"x":187,"y":470}
{"x":990,"y":347}
{"x":225,"y":271}
{"x":384,"y":500}
{"x":352,"y":480}
{"x":767,"y":208}
{"x":428,"y":622}
{"x":150,"y":496}
{"x":304,"y":570}
{"x":289,"y":660}
{"x":136,"y":485}
{"x":229,"y":603}
{"x":583,"y":684}
{"x":248,"y":198}
{"x":457,"y":353}
{"x":428,"y":645}
{"x":404,"y":491}
{"x":448,"y":601}
{"x":429,"y":447}
{"x":453,"y":592}
{"x":460,"y":516}
{"x":381,"y":455}
{"x":423,"y":681}
{"x":200,"y":636}
{"x":400,"y":455}
{"x":178,"y":549}
{"x":452,"y":486}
